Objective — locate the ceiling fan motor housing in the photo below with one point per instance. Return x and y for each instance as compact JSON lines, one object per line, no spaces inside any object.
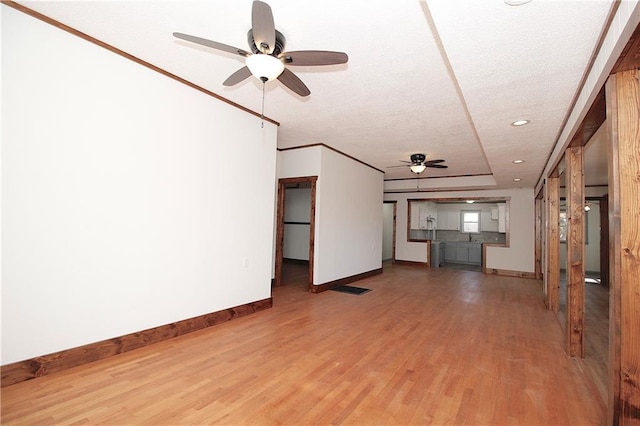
{"x":418,"y":158}
{"x":279,"y":48}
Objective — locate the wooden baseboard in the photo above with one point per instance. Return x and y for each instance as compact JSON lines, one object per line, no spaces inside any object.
{"x":412,"y":263}
{"x":344,"y":281}
{"x":508,"y":273}
{"x":63,"y":360}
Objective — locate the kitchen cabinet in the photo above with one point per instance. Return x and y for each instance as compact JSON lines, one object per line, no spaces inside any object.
{"x":499,"y":214}
{"x":475,"y":254}
{"x":487,"y":224}
{"x":414,"y":212}
{"x":450,"y":252}
{"x":461,"y":252}
{"x":422,"y":214}
{"x":502,"y":218}
{"x":448,"y":220}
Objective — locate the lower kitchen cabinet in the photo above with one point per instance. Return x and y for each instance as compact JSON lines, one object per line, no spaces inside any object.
{"x":450,"y":252}
{"x":461,"y":252}
{"x":475,"y":254}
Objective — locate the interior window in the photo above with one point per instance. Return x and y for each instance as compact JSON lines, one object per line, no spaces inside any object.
{"x":470,"y":221}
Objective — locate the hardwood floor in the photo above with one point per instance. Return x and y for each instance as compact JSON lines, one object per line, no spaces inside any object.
{"x":596,"y":352}
{"x":463,"y":267}
{"x":295,"y":274}
{"x":436,"y":346}
{"x":596,"y":334}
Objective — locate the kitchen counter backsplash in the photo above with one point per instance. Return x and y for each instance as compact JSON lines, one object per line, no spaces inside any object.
{"x":442,"y":235}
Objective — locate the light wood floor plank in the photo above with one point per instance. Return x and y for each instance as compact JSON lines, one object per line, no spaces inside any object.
{"x":423,"y":347}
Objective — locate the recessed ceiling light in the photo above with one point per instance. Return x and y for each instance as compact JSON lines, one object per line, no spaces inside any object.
{"x":520,"y":122}
{"x":517,"y":179}
{"x":470,"y":201}
{"x":518,"y":161}
{"x":516,"y":2}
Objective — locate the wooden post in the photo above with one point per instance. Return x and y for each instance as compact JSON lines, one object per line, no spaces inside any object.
{"x":538,"y":236}
{"x":552,"y":275}
{"x":279,"y":234}
{"x":623,"y":121}
{"x":604,"y":240}
{"x":575,"y":251}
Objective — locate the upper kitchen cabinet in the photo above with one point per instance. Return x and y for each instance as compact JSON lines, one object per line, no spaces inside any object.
{"x":498,"y":214}
{"x":492,"y":215}
{"x":448,"y":220}
{"x":423,"y":214}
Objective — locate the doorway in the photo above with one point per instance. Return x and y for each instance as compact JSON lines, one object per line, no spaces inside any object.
{"x":295,"y":228}
{"x":389,"y":231}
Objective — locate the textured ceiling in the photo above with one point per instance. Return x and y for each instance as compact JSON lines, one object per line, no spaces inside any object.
{"x":440,"y":77}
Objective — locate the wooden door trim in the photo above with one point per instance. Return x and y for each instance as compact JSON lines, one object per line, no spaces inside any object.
{"x":312,"y":180}
{"x":538,"y":239}
{"x":604,"y":240}
{"x":393,"y":243}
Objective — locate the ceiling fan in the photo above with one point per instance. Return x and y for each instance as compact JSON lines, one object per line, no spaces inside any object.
{"x":267,"y":58}
{"x":418,"y":163}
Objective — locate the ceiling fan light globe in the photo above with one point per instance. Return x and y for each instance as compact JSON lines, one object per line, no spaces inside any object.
{"x":264,"y":66}
{"x":418,"y":168}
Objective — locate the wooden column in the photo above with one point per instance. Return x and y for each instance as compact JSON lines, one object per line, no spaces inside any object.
{"x":538,"y":236}
{"x":552,"y":275}
{"x":575,"y":251}
{"x":279,"y":234}
{"x":604,"y":240}
{"x":623,"y":121}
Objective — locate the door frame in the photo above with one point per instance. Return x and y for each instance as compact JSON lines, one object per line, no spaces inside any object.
{"x":393,"y":242}
{"x":282,"y":183}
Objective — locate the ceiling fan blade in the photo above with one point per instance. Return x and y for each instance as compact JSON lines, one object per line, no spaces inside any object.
{"x":292,"y":81}
{"x":264,"y":30}
{"x":238,"y":76}
{"x":437,"y":166}
{"x":212,"y":44}
{"x":433,"y":161}
{"x":313,"y":57}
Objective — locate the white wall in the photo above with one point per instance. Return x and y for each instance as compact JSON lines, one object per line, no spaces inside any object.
{"x":349,"y":237}
{"x":519,"y":256}
{"x":592,"y":248}
{"x":295,"y":163}
{"x":348,"y":223}
{"x":299,"y":162}
{"x":118,"y":214}
{"x":297,"y":208}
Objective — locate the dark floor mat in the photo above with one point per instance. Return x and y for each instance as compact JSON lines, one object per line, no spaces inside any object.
{"x":351,"y":290}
